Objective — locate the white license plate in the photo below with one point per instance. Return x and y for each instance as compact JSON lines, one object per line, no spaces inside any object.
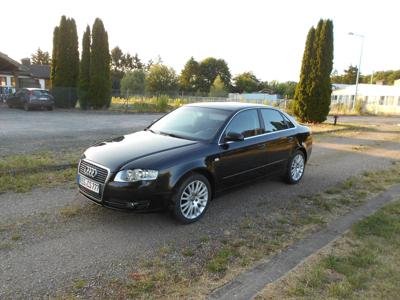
{"x":89,"y":184}
{"x":43,"y":99}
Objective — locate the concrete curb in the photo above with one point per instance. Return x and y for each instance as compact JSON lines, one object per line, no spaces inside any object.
{"x":249,"y":283}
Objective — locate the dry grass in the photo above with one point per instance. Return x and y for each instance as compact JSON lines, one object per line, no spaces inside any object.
{"x":361,"y":265}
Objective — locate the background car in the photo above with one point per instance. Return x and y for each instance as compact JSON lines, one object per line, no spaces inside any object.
{"x":185,"y":158}
{"x":29,"y":98}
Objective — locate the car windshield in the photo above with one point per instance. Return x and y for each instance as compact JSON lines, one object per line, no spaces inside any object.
{"x":191,"y":122}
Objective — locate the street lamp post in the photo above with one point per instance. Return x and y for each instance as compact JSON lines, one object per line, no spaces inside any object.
{"x":359,"y":66}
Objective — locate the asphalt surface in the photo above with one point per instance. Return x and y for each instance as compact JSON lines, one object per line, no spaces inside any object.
{"x":34,"y":131}
{"x":53,"y":251}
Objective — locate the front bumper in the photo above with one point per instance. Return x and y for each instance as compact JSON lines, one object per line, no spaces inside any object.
{"x":138,"y":196}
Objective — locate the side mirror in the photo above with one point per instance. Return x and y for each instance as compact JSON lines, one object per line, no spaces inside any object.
{"x":233,"y":137}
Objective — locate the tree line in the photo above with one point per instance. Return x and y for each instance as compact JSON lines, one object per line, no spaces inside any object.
{"x":349,"y":76}
{"x":208,"y":77}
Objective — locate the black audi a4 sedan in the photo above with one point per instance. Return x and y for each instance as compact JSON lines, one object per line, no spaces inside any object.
{"x":186,"y":157}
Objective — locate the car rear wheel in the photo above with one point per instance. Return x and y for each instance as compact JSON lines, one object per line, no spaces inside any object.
{"x":191,"y":199}
{"x":50,"y":107}
{"x":295,"y":168}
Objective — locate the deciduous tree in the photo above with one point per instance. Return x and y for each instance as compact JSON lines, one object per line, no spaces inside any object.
{"x":189,"y":78}
{"x":161,"y":80}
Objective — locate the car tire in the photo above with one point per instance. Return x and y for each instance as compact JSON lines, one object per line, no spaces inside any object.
{"x":295,"y":168}
{"x":50,"y":107}
{"x":191,"y":199}
{"x":26,"y":107}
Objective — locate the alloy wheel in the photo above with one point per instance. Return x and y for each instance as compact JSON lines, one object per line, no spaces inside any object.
{"x":297,"y":167}
{"x":194,"y":199}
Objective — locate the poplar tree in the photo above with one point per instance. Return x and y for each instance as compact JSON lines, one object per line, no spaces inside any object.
{"x":65,"y":65}
{"x":325,"y":64}
{"x":100,"y":59}
{"x":84,"y":71}
{"x":302,"y":95}
{"x":54,"y":54}
{"x":313,"y":93}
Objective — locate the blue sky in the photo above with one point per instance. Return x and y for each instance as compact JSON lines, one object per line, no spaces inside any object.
{"x":266,"y":37}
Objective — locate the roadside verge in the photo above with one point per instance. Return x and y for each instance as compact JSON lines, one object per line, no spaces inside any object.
{"x":248,"y":284}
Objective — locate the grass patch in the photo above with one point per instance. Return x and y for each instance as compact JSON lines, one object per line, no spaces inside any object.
{"x":21,"y":183}
{"x":79,"y":284}
{"x":34,"y":162}
{"x":219,"y":263}
{"x":6,"y":246}
{"x":361,"y":265}
{"x":16,"y":237}
{"x":70,"y":211}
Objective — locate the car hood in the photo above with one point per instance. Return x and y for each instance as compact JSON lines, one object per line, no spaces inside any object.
{"x":116,"y":152}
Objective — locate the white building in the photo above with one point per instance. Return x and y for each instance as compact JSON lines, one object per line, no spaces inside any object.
{"x":377,"y":99}
{"x":254,"y":97}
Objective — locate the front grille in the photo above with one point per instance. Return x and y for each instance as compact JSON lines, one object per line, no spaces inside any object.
{"x":101,"y":175}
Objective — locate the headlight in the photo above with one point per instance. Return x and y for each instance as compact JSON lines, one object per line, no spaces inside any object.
{"x":136,"y":175}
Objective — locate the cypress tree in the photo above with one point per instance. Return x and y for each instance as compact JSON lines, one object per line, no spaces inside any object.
{"x":84,"y":71}
{"x":54,"y":54}
{"x":325,"y":62}
{"x":65,"y":69}
{"x":303,"y":88}
{"x":313,"y":93}
{"x":100,"y":79}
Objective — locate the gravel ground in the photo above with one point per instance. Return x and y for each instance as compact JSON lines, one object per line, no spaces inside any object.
{"x":26,"y":132}
{"x":57,"y":245}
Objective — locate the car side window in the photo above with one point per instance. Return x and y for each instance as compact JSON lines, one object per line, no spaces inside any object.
{"x":273,"y":120}
{"x":246,"y":123}
{"x":288,"y":122}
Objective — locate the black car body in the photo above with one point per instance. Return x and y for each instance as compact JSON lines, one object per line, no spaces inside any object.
{"x":29,"y":98}
{"x":266,"y":145}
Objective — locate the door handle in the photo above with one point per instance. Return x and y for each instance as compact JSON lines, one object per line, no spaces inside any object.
{"x":290,"y":138}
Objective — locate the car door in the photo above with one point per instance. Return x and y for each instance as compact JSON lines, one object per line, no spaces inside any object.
{"x":279,"y":138}
{"x":19,"y":98}
{"x":13,"y":99}
{"x":241,"y":160}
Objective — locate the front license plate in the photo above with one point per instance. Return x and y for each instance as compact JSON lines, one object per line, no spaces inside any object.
{"x":89,"y":184}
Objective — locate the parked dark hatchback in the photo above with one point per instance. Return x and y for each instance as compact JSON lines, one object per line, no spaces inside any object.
{"x":182,"y":160}
{"x":31,"y":98}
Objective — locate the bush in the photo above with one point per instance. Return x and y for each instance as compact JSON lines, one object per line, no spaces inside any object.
{"x":358,"y":107}
{"x":162,"y":103}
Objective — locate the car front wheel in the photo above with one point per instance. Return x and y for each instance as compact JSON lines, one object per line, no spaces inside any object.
{"x":295,"y":169}
{"x":191,"y":199}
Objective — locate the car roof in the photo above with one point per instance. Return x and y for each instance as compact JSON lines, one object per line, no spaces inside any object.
{"x":35,"y":89}
{"x":231,"y":106}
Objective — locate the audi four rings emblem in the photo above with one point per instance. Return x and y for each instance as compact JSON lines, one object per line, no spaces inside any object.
{"x":89,"y":171}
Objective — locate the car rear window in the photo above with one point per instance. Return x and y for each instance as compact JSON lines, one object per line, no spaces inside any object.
{"x":273,"y":120}
{"x":40,"y":93}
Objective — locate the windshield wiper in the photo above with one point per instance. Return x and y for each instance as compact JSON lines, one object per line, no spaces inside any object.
{"x":151,"y":130}
{"x":172,"y":135}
